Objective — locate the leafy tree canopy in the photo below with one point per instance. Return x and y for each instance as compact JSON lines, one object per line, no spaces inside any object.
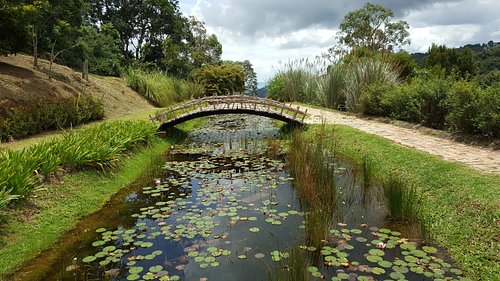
{"x":251,"y":76}
{"x":371,"y":27}
{"x":451,"y":60}
{"x":220,"y":79}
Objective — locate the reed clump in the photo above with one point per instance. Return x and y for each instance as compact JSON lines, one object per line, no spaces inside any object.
{"x":101,"y":146}
{"x":314,"y":182}
{"x":160,"y":89}
{"x":401,"y":198}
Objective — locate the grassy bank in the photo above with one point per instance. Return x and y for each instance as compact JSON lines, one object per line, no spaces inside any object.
{"x":78,"y":195}
{"x":460,"y":206}
{"x":51,"y":212}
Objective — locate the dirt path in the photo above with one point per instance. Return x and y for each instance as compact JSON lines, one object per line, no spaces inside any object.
{"x":478,"y":158}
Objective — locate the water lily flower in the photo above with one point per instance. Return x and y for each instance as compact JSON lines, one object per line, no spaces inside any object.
{"x":381,"y":245}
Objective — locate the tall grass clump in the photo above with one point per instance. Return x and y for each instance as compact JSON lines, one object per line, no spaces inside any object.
{"x":334,"y":83}
{"x":23,"y":121}
{"x":314,"y":182}
{"x":160,"y":89}
{"x":298,"y":80}
{"x":362,"y":73}
{"x":401,"y":198}
{"x":295,"y":268}
{"x":101,"y":147}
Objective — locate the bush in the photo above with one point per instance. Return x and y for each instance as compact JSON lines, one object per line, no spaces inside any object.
{"x":275,"y":88}
{"x":402,"y":103}
{"x":463,"y":103}
{"x":371,"y":99}
{"x":20,"y":122}
{"x":487,"y":120}
{"x":432,"y":94}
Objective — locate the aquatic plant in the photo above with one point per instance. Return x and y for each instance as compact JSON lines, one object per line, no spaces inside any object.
{"x":401,"y":197}
{"x":314,"y":182}
{"x":368,"y":166}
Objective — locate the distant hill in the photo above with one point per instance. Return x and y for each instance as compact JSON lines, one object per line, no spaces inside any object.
{"x":262,"y":92}
{"x":486,"y":54}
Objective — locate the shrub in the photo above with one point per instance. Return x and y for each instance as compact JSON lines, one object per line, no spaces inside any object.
{"x":487,"y":120}
{"x":371,"y":99}
{"x":401,"y":103}
{"x":432,"y":94}
{"x":463,"y":103}
{"x":275,"y":88}
{"x":21,"y":122}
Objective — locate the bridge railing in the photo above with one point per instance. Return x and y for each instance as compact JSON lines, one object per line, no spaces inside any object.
{"x":231,"y":102}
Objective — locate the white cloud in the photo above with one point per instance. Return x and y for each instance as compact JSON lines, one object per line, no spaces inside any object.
{"x":268,"y":31}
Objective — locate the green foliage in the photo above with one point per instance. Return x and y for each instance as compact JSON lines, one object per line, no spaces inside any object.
{"x":451,"y":60}
{"x":20,"y":122}
{"x":491,"y":78}
{"x":275,"y":87}
{"x":489,"y":59}
{"x":437,"y":102}
{"x":180,"y":57}
{"x":220,"y":79}
{"x":401,"y":198}
{"x":361,"y":74}
{"x":100,"y":46}
{"x":95,"y":147}
{"x":251,"y":76}
{"x":160,"y":89}
{"x":18,"y":172}
{"x":334,"y":83}
{"x":142,"y":25}
{"x":371,"y":27}
{"x":463,"y":102}
{"x":371,"y":98}
{"x":299,"y":80}
{"x":488,"y":119}
{"x":14,"y":36}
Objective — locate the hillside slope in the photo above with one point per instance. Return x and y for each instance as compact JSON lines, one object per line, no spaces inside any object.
{"x":21,"y":84}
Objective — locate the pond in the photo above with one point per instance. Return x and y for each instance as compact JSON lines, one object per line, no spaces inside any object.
{"x":222,"y":207}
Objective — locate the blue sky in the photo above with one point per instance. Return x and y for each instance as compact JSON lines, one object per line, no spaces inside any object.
{"x":269,"y":31}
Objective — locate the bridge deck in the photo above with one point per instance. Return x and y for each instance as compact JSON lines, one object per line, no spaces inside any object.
{"x":215,"y":105}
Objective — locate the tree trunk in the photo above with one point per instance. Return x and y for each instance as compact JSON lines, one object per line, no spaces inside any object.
{"x":35,"y":47}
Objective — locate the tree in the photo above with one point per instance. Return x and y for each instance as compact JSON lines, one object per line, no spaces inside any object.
{"x":451,"y":60}
{"x":194,"y":51}
{"x":220,"y":79}
{"x":251,"y":76}
{"x":102,"y":49}
{"x":51,"y":22}
{"x":14,"y":35}
{"x":143,"y":25}
{"x":371,"y":27}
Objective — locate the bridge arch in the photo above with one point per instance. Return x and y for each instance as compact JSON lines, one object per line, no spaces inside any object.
{"x":232,"y":104}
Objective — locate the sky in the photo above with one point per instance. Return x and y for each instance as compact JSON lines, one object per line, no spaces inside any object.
{"x":270,"y":32}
